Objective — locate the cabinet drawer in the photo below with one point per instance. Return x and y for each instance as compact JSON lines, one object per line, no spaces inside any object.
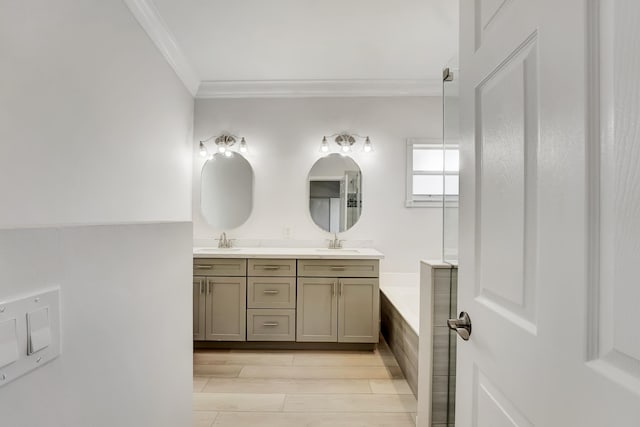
{"x":219,"y":267}
{"x":271,"y":325}
{"x":271,"y":292}
{"x":337,"y":268}
{"x":272,"y":267}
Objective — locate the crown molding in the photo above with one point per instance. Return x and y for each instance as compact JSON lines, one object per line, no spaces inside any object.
{"x":318,"y":88}
{"x":149,"y":18}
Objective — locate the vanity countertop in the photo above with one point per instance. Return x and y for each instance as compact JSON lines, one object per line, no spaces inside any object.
{"x":291,"y":253}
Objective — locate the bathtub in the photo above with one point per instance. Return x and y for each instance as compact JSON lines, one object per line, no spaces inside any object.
{"x":403,"y":291}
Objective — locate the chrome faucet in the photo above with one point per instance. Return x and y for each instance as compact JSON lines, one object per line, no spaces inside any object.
{"x":223,"y":242}
{"x":335,"y":243}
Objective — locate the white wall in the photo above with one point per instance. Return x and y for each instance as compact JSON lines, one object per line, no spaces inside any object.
{"x":95,"y":128}
{"x":284,"y":138}
{"x":126,"y":355}
{"x":93,"y":122}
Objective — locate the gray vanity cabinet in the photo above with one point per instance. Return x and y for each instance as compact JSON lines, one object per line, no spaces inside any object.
{"x":317,"y":313}
{"x":287,"y":300}
{"x":271,"y":300}
{"x":199,"y":307}
{"x":226,"y":309}
{"x":358,"y":310}
{"x":219,"y":299}
{"x":338,"y":308}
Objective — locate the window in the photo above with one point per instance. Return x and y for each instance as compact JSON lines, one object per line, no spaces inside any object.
{"x":432,"y":172}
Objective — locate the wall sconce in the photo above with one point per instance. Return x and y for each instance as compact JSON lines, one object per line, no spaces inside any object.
{"x":346,"y":142}
{"x":223,"y":143}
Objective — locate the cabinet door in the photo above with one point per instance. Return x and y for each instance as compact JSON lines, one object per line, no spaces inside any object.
{"x":199,"y":307}
{"x":358,"y":310}
{"x":317,"y":316}
{"x":226,"y":309}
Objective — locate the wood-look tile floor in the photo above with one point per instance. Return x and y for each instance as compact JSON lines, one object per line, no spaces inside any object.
{"x":298,"y":388}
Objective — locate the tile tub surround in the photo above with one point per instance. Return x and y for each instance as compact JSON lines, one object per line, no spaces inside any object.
{"x":286,"y":388}
{"x":402,"y":339}
{"x":438,"y":295}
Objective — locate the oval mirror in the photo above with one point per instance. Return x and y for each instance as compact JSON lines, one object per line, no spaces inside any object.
{"x":335,"y":193}
{"x":226,"y":191}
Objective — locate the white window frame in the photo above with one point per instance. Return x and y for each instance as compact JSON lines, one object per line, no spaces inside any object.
{"x":427,"y":201}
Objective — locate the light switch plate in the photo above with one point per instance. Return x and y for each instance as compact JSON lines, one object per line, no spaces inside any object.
{"x":41,"y":312}
{"x":8,"y":342}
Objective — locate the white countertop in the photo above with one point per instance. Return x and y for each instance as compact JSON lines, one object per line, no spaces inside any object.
{"x":291,"y":253}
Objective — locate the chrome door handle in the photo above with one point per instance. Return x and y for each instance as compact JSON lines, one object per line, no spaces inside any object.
{"x":462,"y":325}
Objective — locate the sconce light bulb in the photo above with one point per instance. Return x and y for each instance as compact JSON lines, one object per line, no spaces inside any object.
{"x":222,"y":148}
{"x":346,"y":148}
{"x":324,"y":147}
{"x":228,"y":153}
{"x":203,"y":150}
{"x":243,"y":146}
{"x":367,"y":145}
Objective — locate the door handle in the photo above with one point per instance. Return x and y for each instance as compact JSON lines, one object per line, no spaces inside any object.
{"x":462,"y":325}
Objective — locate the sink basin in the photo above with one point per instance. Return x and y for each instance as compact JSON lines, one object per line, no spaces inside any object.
{"x":338,"y":251}
{"x":207,"y":250}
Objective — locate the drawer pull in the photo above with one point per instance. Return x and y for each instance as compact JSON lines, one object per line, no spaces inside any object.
{"x":337,"y":267}
{"x":271,"y":291}
{"x":271,"y":267}
{"x":202,"y":267}
{"x":270,"y":324}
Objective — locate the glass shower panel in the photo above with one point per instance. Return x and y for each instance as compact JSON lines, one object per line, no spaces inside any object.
{"x":450,"y":141}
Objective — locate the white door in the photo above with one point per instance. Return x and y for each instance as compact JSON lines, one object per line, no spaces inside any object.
{"x":550,"y":213}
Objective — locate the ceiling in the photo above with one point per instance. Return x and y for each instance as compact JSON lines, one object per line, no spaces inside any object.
{"x":220,"y":47}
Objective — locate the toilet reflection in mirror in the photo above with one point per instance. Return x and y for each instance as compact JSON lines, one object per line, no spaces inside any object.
{"x":226,"y":197}
{"x":335,"y":193}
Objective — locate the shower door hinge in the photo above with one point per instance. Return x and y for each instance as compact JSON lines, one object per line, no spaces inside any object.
{"x":447,"y":75}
